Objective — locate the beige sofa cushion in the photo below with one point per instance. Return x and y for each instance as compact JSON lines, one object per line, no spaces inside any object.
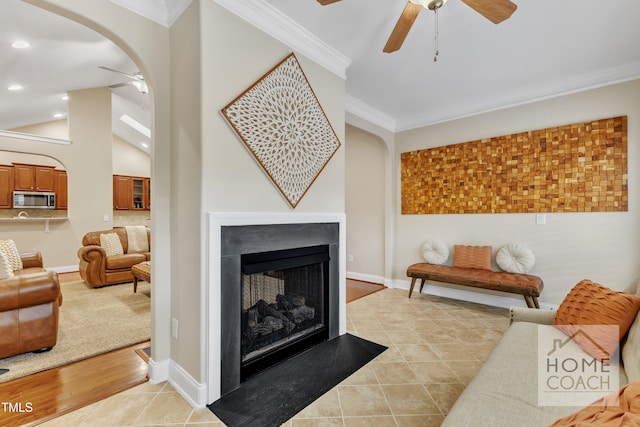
{"x":631,"y":348}
{"x":111,"y":244}
{"x":9,"y":248}
{"x":6,"y":268}
{"x":504,"y":393}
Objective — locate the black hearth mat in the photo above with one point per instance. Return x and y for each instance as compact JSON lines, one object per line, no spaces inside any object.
{"x":277,"y":394}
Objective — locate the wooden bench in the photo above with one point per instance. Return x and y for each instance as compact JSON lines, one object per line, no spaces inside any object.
{"x":523,"y":284}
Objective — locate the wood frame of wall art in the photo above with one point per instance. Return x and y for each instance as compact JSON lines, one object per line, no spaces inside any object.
{"x":581,"y":167}
{"x":282,"y":123}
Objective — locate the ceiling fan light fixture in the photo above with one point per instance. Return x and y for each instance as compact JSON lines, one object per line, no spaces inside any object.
{"x":436,"y":4}
{"x":141,"y":86}
{"x":430,"y":4}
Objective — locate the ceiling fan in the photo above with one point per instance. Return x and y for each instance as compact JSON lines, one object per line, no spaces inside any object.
{"x":495,"y":11}
{"x":137,"y":80}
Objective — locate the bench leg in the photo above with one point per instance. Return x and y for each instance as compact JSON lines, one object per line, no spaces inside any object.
{"x":413,"y":283}
{"x":532,"y":302}
{"x":135,"y":284}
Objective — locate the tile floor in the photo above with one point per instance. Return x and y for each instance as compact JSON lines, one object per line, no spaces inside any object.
{"x":436,"y":346}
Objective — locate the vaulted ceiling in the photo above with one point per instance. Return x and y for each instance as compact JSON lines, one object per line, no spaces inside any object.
{"x":547,"y":48}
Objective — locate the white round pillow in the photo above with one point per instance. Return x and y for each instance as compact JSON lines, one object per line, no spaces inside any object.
{"x":435,"y":252}
{"x":515,"y":258}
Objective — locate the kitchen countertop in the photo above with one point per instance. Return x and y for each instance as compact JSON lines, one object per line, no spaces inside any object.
{"x":34,"y":219}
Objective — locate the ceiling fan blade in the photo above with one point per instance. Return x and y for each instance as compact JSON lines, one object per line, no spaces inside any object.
{"x":400,"y":31}
{"x":326,"y":2}
{"x":131,"y":76}
{"x":117,"y":85}
{"x":495,"y":11}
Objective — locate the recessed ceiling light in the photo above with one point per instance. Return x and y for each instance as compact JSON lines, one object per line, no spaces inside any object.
{"x":145,"y":145}
{"x":58,"y":115}
{"x":65,"y":98}
{"x":20,"y":44}
{"x":14,"y":87}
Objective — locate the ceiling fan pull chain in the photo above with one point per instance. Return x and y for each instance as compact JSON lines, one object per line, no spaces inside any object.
{"x":435,"y":57}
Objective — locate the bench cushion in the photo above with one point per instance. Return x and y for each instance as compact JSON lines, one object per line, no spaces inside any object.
{"x":523,"y":284}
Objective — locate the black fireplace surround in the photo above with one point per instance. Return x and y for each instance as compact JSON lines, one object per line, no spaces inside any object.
{"x":277,"y":251}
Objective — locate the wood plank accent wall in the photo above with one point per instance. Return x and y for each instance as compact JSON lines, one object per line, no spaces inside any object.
{"x":580,"y":167}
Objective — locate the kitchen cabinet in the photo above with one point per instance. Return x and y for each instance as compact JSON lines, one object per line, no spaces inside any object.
{"x":33,"y":177}
{"x":6,"y":187}
{"x":122,"y":192}
{"x":131,"y":193}
{"x":60,"y":187}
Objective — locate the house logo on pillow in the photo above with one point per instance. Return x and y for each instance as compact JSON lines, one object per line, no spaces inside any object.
{"x":577,"y":364}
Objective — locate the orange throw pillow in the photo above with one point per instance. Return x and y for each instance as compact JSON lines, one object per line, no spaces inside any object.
{"x":589,"y":303}
{"x":478,"y":257}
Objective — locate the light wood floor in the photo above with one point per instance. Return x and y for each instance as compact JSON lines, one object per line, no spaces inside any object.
{"x":58,"y":391}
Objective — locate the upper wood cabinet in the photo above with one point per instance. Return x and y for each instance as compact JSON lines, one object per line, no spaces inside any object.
{"x":60,"y":187}
{"x":33,"y":177}
{"x":131,"y":193}
{"x":26,"y":177}
{"x":122,"y":192}
{"x":6,"y":187}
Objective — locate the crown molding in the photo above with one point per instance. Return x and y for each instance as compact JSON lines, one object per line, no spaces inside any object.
{"x":366,"y":112}
{"x":282,"y":28}
{"x":155,"y":11}
{"x":163,"y":12}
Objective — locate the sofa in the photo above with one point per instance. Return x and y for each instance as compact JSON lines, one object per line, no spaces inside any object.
{"x":99,"y":266}
{"x":29,"y":304}
{"x":505,"y":390}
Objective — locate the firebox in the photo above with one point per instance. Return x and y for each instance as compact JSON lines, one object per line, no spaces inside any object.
{"x":284,"y":305}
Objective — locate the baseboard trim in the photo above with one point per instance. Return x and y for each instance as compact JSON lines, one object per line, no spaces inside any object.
{"x":492,"y":298}
{"x":194,"y":392}
{"x":158,"y":371}
{"x":64,"y":269}
{"x":366,"y":278}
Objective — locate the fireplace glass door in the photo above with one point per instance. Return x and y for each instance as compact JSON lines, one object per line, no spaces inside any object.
{"x":284,"y":305}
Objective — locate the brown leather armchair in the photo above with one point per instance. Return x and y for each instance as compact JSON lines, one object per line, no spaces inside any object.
{"x":29,"y":303}
{"x":97,"y":269}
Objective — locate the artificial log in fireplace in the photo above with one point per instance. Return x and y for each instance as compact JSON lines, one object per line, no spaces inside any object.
{"x":284,"y":298}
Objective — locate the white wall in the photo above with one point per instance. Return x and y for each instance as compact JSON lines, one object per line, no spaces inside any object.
{"x":215,"y":57}
{"x":233,"y":179}
{"x":128,"y":160}
{"x":365,"y":205}
{"x":603,"y":247}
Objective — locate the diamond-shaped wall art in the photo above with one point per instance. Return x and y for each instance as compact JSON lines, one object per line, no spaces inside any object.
{"x":281,"y":122}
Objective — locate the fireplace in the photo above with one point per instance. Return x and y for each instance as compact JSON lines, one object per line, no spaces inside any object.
{"x":280,"y":292}
{"x":284,"y":305}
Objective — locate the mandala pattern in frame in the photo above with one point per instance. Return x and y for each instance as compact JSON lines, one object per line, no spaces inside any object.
{"x":282,"y":123}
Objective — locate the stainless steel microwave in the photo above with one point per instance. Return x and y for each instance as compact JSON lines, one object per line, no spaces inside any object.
{"x":34,"y":200}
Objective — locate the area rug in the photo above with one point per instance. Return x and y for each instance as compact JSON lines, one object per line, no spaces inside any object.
{"x":277,"y":394}
{"x":91,"y":322}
